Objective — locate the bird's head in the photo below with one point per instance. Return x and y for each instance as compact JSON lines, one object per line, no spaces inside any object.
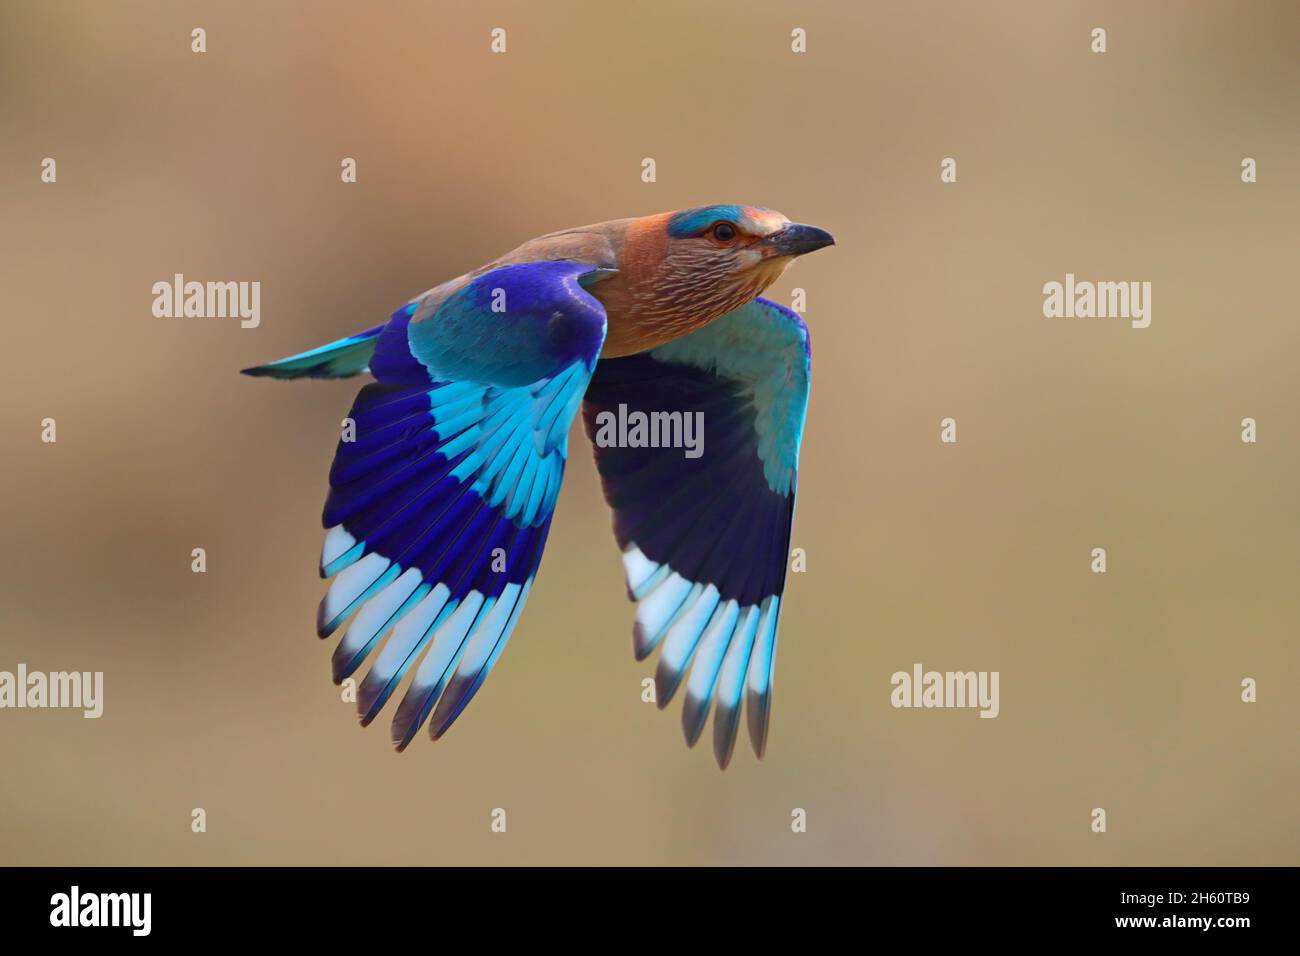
{"x":712,"y":259}
{"x":738,"y":244}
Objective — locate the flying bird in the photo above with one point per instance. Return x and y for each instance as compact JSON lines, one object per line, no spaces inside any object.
{"x":441,"y":499}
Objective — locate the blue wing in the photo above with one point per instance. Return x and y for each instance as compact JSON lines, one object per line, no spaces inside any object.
{"x":341,"y":359}
{"x":439,"y":505}
{"x":705,"y":539}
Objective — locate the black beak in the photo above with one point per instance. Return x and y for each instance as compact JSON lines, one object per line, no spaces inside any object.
{"x":798,"y":240}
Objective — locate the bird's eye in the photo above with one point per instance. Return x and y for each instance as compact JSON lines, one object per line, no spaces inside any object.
{"x":724,"y":232}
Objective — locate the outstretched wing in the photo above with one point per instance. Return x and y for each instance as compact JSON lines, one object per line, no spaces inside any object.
{"x":440,"y":503}
{"x":705,"y":530}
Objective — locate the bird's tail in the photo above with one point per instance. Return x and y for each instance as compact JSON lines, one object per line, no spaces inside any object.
{"x":341,"y":359}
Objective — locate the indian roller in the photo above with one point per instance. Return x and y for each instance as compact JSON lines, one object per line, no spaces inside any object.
{"x":441,"y":499}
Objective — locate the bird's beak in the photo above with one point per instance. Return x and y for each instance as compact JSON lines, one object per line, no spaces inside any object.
{"x":798,"y":240}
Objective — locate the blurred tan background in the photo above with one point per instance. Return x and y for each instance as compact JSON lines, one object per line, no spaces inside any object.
{"x":1119,"y":690}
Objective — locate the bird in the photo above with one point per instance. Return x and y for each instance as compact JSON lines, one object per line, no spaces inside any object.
{"x":444,"y":481}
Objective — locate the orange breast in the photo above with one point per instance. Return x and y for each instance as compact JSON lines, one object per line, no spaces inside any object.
{"x":630,"y":296}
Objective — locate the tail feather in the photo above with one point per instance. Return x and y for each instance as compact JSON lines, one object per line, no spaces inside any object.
{"x":341,"y":359}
